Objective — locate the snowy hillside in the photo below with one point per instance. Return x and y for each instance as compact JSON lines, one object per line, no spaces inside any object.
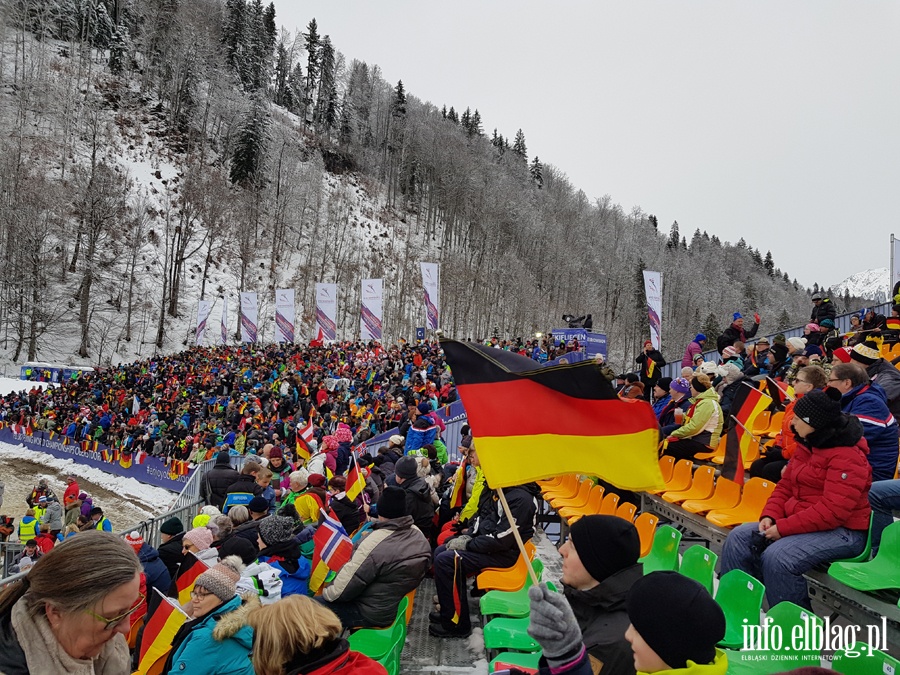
{"x":168,"y":158}
{"x":870,"y":285}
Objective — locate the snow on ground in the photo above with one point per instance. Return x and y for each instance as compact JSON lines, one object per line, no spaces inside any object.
{"x":125,"y":501}
{"x":8,"y":385}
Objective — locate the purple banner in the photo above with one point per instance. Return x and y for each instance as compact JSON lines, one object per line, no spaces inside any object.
{"x":153,"y":471}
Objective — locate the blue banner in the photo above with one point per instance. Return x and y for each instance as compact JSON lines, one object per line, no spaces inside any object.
{"x":153,"y":471}
{"x":592,"y":343}
{"x":420,"y":333}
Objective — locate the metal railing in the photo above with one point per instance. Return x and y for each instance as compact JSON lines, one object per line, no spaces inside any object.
{"x":841,"y":323}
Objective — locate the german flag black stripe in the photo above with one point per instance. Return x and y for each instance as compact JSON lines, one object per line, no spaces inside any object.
{"x":476,"y":364}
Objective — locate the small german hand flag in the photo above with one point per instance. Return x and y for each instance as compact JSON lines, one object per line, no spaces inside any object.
{"x":893,"y":323}
{"x":532,"y":422}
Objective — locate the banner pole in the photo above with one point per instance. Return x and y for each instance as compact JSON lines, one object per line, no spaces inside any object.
{"x":515,"y":531}
{"x":893,"y":273}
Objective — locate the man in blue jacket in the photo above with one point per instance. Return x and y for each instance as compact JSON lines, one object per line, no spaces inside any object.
{"x":868,"y":402}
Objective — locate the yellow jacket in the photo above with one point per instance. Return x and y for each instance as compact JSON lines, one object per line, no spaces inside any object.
{"x":717,"y":667}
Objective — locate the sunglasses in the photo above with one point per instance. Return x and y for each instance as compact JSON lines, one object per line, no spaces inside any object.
{"x":111,"y":624}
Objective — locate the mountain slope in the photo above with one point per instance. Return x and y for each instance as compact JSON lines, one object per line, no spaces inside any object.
{"x":869,"y":285}
{"x":189,"y":166}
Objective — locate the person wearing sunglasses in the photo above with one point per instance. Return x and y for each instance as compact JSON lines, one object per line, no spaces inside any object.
{"x":217,"y":640}
{"x":72,"y":611}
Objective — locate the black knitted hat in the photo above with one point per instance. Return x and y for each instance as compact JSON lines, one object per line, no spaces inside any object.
{"x":605,"y":544}
{"x":819,"y":409}
{"x":392,"y":503}
{"x":677,"y":618}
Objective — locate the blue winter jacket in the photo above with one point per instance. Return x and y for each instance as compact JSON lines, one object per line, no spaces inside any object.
{"x":155,"y":569}
{"x":219,"y":644}
{"x":660,"y":404}
{"x":868,"y":402}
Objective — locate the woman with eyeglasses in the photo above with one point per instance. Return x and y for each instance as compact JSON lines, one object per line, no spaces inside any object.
{"x":71,"y":613}
{"x":217,"y":640}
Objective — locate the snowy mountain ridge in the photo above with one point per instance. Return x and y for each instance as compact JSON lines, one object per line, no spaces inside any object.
{"x":870,"y":284}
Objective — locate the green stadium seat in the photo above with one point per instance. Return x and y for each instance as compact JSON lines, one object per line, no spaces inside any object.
{"x":699,"y":563}
{"x":508,"y":634}
{"x":664,"y":551}
{"x":863,"y":664}
{"x":511,"y":603}
{"x":378,"y":643}
{"x":521,"y":659}
{"x":880,"y":573}
{"x":740,"y":596}
{"x":785,"y":615}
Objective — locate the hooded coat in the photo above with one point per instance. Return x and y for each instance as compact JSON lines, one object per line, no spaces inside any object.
{"x":826,"y":483}
{"x":292,"y":567}
{"x":216,"y":644}
{"x":155,"y":569}
{"x":419,"y":503}
{"x":704,"y":420}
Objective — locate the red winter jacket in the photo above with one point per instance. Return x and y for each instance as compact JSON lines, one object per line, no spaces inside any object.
{"x":824,"y":488}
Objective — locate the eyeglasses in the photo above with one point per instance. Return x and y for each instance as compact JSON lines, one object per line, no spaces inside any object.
{"x":111,"y":624}
{"x":195,"y":593}
{"x":838,"y":379}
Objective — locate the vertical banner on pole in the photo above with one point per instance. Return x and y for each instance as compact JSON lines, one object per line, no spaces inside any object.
{"x":326,"y":311}
{"x":224,"y":326}
{"x":284,"y":315}
{"x":371,"y":310}
{"x":249,"y":317}
{"x":653,"y":289}
{"x":895,"y":265}
{"x":204,"y":307}
{"x":431,"y":284}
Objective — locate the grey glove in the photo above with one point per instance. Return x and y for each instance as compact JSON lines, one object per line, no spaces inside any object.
{"x":553,"y":626}
{"x":459,"y":543}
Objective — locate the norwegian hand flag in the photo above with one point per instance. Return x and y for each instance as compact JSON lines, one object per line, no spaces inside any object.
{"x":333,"y":549}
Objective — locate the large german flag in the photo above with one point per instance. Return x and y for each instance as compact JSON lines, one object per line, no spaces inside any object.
{"x":531,"y":422}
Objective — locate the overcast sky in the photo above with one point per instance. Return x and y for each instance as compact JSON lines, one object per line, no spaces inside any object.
{"x":776,"y":121}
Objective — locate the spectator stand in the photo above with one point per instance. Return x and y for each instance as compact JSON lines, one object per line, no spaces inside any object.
{"x":842,"y":324}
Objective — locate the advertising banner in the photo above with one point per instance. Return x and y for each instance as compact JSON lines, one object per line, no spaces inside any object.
{"x":895,"y":264}
{"x":653,"y":289}
{"x":431,"y":284}
{"x":372,"y":309}
{"x":326,"y":311}
{"x":591,"y":343}
{"x":224,"y":326}
{"x":149,"y":470}
{"x":284,"y":315}
{"x":204,"y":307}
{"x":249,"y":317}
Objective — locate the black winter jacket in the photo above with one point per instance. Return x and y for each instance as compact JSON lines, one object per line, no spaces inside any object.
{"x":216,"y":483}
{"x":491,"y":532}
{"x":602,"y":618}
{"x":419,"y":504}
{"x":732,"y":334}
{"x":823,"y":311}
{"x":171,"y":554}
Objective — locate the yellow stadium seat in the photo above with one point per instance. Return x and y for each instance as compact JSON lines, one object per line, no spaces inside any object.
{"x":761,"y":423}
{"x":727,"y":495}
{"x":718,"y":453}
{"x":701,"y":487}
{"x":646,"y":523}
{"x":580,"y":499}
{"x":626,"y":511}
{"x":566,"y":488}
{"x":756,"y":492}
{"x":681,"y":478}
{"x":666,"y":467}
{"x":610,"y":504}
{"x":595,"y":499}
{"x":507,"y":578}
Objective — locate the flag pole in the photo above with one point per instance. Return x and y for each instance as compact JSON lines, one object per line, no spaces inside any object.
{"x":515,"y":531}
